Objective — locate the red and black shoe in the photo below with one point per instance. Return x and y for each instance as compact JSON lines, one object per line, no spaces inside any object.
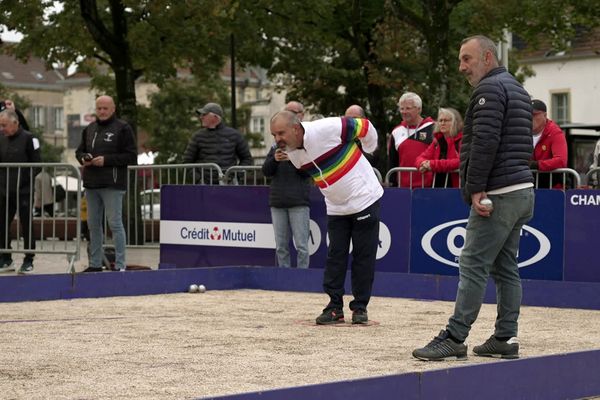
{"x":331,"y":316}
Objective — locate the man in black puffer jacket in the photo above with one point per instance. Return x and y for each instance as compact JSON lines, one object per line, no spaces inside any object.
{"x":107,"y":147}
{"x":496,"y":148}
{"x":215,"y":143}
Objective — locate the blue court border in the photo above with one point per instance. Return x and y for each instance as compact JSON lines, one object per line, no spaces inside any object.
{"x":564,"y":376}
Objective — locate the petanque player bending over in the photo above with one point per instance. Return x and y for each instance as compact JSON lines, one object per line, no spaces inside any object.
{"x":327,"y":151}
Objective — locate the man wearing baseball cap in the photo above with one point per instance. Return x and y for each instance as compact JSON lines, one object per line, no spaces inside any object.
{"x":216,"y":143}
{"x":550,"y":148}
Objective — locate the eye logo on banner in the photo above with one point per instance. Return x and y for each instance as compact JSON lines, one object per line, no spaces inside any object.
{"x":444,"y":243}
{"x":215,"y":235}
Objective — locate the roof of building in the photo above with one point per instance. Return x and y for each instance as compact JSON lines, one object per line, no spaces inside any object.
{"x":585,"y":44}
{"x":31,"y":74}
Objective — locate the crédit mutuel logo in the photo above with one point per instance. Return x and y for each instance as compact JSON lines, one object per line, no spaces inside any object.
{"x":211,"y":233}
{"x":444,"y":243}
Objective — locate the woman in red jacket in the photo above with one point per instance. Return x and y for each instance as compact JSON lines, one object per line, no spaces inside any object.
{"x":442,"y":155}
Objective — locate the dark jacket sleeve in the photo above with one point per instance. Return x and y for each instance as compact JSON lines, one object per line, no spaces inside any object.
{"x":243,"y":152}
{"x":81,"y":149}
{"x":269,"y":167}
{"x":488,"y":115}
{"x":34,"y":155}
{"x":22,"y":121}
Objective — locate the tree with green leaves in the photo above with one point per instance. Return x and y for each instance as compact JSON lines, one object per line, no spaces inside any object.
{"x":120,"y":41}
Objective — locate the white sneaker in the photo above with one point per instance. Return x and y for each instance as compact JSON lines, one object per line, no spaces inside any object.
{"x":7,"y":266}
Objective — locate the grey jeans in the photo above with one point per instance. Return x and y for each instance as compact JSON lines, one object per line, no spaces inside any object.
{"x":491,"y":248}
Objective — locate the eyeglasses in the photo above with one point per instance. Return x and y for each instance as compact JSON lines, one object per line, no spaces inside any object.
{"x":442,"y":121}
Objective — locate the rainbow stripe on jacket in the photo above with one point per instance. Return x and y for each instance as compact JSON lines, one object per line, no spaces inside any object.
{"x":335,"y":164}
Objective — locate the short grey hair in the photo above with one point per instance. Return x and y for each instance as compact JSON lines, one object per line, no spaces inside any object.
{"x":10,"y":114}
{"x":410,"y":96}
{"x":289,"y":116}
{"x":485,"y":43}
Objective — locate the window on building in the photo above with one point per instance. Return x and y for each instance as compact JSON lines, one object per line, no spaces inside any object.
{"x":38,"y":116}
{"x":258,"y":125}
{"x":58,"y":118}
{"x":560,"y":108}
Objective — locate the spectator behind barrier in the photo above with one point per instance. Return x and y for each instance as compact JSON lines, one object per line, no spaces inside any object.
{"x":442,"y":155}
{"x":16,"y":146}
{"x":289,"y":201}
{"x":408,"y":140}
{"x":216,"y":143}
{"x":550,"y":148}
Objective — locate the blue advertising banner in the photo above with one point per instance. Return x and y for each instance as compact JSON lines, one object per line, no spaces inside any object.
{"x":438,"y":228}
{"x":582,"y":241}
{"x":205,"y":226}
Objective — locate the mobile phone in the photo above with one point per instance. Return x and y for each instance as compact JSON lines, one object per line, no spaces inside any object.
{"x":87,"y":157}
{"x":2,"y":106}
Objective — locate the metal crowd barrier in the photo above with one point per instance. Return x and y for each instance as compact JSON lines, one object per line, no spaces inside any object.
{"x":560,"y":178}
{"x":412,"y":171}
{"x":250,"y":175}
{"x":143,"y":198}
{"x":56,"y":229}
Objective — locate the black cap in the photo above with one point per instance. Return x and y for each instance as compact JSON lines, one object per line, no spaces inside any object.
{"x":538,"y":105}
{"x":210,"y":108}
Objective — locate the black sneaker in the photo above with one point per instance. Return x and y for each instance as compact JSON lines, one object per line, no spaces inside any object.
{"x":360,"y":317}
{"x":26,"y":267}
{"x":498,"y":349}
{"x":93,"y":269}
{"x":331,"y":316}
{"x":6,"y":265}
{"x":442,"y":348}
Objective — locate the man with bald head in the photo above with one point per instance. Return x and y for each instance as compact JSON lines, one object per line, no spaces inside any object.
{"x":494,"y":165}
{"x":355,"y":111}
{"x":107,"y":147}
{"x":297,"y":108}
{"x":326,"y":149}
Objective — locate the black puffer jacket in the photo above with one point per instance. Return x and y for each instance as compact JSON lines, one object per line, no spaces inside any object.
{"x":222,"y":145}
{"x":290,"y":187}
{"x":497,"y":143}
{"x":114,"y":140}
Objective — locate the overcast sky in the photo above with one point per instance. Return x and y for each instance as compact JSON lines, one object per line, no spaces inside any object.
{"x":11,"y":36}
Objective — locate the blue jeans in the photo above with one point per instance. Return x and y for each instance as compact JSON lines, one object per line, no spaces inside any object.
{"x":109,"y":201}
{"x":491,"y":248}
{"x":298,"y":220}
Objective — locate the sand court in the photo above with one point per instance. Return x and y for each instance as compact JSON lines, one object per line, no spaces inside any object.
{"x":183,"y":346}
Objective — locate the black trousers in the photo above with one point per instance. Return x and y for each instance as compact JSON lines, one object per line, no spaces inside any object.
{"x":8,"y":204}
{"x":362,"y":229}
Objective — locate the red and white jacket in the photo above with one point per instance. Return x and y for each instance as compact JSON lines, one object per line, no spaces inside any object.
{"x":405,"y":145}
